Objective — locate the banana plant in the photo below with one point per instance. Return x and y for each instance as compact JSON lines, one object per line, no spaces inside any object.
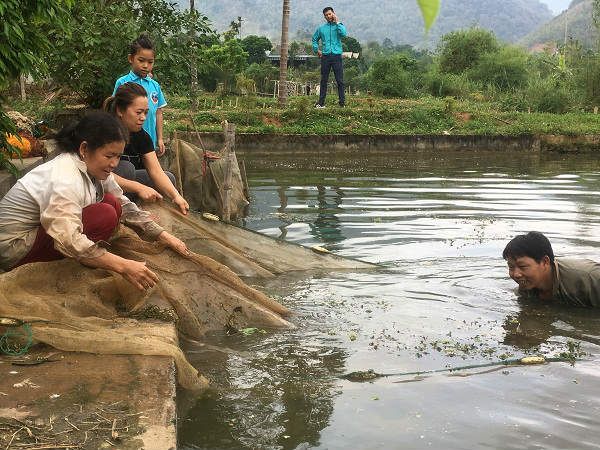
{"x":429,"y":10}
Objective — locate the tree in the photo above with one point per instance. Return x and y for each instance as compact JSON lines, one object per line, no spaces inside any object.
{"x":262,"y":74}
{"x":392,"y":76}
{"x":93,"y":54}
{"x":350,"y":44}
{"x":460,"y":50}
{"x":505,"y":69}
{"x":256,"y":46}
{"x":27,"y":32}
{"x":285,"y":21}
{"x":225,"y":61}
{"x":293,"y":50}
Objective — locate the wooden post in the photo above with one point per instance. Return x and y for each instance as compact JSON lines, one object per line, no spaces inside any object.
{"x":229,"y":132}
{"x":179,"y":180}
{"x":236,"y":102}
{"x":244,"y":179}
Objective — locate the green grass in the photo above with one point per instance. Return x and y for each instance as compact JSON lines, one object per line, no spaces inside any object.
{"x":363,"y":115}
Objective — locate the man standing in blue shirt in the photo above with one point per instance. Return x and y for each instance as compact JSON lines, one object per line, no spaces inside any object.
{"x":330,"y":35}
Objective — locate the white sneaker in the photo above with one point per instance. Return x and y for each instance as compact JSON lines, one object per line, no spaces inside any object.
{"x":318,"y":106}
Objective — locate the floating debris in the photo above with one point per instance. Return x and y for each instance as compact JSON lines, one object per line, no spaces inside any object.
{"x":211,"y":217}
{"x":361,"y":375}
{"x":533,"y":360}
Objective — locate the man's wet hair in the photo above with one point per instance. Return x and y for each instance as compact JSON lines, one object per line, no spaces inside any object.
{"x":533,"y":245}
{"x":139,"y":43}
{"x":328,"y":8}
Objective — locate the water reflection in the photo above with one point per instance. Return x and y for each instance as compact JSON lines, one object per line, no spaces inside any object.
{"x":536,"y":324}
{"x":437,"y":223}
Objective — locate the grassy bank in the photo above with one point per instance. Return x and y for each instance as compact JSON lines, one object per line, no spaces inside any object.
{"x":363,"y":115}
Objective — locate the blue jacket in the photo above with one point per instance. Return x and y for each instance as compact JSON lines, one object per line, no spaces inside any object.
{"x":330,"y":35}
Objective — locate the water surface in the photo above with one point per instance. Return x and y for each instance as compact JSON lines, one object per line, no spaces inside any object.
{"x":437,"y":224}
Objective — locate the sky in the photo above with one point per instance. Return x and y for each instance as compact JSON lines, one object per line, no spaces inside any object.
{"x":557,"y":6}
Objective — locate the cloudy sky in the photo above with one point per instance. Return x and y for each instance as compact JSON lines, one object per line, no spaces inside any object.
{"x":557,"y":6}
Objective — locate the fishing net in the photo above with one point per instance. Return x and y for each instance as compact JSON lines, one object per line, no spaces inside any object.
{"x":247,"y":253}
{"x":203,"y":180}
{"x":75,"y":308}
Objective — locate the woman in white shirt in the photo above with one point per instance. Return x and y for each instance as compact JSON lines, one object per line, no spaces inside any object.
{"x":66,"y":206}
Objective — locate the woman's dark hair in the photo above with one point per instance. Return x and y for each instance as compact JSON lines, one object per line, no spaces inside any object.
{"x":97,"y":128}
{"x":142,"y":41}
{"x":328,"y":8}
{"x":124,"y":96}
{"x":533,"y":245}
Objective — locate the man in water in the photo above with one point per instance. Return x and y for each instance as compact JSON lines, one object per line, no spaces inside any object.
{"x":330,"y":34}
{"x":532,"y":265}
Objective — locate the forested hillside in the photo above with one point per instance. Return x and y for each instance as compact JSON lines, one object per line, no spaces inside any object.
{"x":578,"y":19}
{"x":398,"y":20}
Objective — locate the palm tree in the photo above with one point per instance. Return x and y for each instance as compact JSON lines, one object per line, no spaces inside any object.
{"x":194,"y":69}
{"x":285,"y":21}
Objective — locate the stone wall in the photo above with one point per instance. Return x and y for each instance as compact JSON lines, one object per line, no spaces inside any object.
{"x":247,"y":143}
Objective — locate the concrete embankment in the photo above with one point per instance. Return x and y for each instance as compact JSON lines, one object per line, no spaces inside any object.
{"x":248,"y":143}
{"x":53,"y":399}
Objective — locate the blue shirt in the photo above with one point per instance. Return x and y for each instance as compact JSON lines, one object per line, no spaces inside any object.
{"x":330,"y":35}
{"x":156,"y":100}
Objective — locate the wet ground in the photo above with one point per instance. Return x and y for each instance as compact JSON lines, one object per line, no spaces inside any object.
{"x":442,"y":299}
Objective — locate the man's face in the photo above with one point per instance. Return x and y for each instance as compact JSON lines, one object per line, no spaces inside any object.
{"x":528,"y":273}
{"x":328,"y":15}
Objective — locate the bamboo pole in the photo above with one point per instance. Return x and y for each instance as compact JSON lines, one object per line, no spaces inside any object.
{"x":22,"y":83}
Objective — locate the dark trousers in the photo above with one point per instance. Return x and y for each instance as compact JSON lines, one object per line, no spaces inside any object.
{"x":99,"y":220}
{"x":128,"y":171}
{"x":334,"y":62}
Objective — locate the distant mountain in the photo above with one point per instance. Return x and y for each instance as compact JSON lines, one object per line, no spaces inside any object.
{"x":578,"y":19}
{"x":398,"y":20}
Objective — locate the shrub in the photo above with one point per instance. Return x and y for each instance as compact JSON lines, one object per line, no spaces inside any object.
{"x":262,"y":74}
{"x":504,"y":70}
{"x":460,"y":50}
{"x":548,"y":96}
{"x":449,"y":85}
{"x":393,"y":76}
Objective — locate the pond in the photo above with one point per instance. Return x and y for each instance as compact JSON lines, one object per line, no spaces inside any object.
{"x":437,"y":225}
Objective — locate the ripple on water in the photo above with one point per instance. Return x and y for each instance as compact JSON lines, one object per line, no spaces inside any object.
{"x":437,"y":224}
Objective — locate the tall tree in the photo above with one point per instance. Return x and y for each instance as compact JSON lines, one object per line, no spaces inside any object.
{"x":193,"y":67}
{"x":285,"y":22}
{"x":27,"y":32}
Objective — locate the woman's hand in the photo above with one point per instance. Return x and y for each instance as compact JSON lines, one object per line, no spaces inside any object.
{"x":160,"y":147}
{"x":181,"y":203}
{"x":138,"y":274}
{"x":148,"y":194}
{"x":176,"y":244}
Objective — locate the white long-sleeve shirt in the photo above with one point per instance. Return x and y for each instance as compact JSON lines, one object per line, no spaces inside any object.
{"x":53,"y":195}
